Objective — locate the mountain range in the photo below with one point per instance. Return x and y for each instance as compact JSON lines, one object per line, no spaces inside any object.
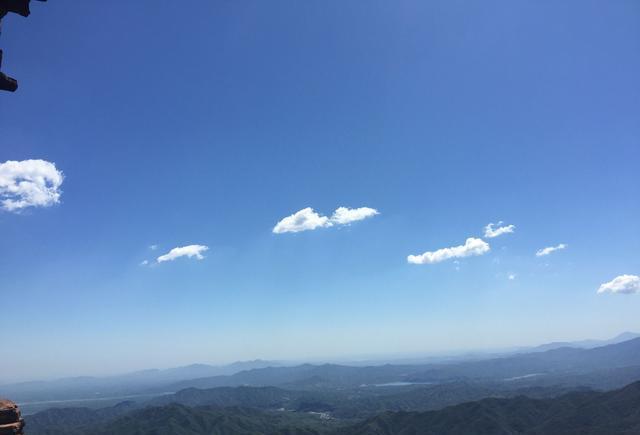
{"x":260,"y":372}
{"x":134,"y":383}
{"x":619,"y":364}
{"x":585,"y":413}
{"x":561,"y":369}
{"x":528,"y":393}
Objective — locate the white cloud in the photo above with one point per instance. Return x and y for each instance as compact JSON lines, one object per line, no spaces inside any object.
{"x":345,"y":215}
{"x":472,"y":246}
{"x":490,"y":232}
{"x":144,"y":262}
{"x":184,"y":251}
{"x":512,"y":276}
{"x":29,"y":183}
{"x":623,"y":284}
{"x":303,"y":220}
{"x":308,"y":219}
{"x":548,"y":250}
{"x":153,"y":247}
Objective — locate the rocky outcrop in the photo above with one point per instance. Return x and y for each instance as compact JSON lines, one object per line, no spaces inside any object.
{"x":20,"y":7}
{"x":7,"y":83}
{"x":11,"y":422}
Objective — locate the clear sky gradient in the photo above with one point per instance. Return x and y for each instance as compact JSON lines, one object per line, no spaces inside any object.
{"x":207,"y":122}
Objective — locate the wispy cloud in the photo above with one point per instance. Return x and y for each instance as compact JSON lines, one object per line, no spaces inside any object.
{"x":548,"y":250}
{"x":512,"y":276}
{"x":623,"y":284}
{"x":472,"y":246}
{"x":153,"y":247}
{"x":490,"y":231}
{"x":308,"y":219}
{"x":191,"y":251}
{"x":345,"y":215}
{"x":29,"y":183}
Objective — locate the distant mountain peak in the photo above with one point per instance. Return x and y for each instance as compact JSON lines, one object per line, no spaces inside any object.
{"x":627,"y":335}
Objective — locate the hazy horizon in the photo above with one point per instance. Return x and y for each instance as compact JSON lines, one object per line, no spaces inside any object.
{"x":346,"y":359}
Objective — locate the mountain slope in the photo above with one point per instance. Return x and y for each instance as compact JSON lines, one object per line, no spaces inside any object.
{"x":134,"y":383}
{"x":304,"y":376}
{"x":586,"y":413}
{"x":583,"y":344}
{"x":555,"y":363}
{"x":181,"y":420}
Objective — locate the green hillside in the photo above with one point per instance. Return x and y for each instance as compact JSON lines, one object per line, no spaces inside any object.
{"x":585,"y":413}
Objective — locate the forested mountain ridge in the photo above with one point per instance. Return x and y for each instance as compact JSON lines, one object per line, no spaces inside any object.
{"x":585,"y":413}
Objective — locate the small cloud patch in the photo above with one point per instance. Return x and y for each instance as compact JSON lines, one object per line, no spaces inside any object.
{"x":472,"y":247}
{"x":345,"y":215}
{"x":623,"y":284}
{"x":308,"y":219}
{"x":550,"y":249}
{"x":29,"y":183}
{"x":303,"y":220}
{"x":490,"y":231}
{"x":191,"y":251}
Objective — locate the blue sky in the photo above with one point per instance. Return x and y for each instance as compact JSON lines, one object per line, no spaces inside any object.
{"x":208,"y":124}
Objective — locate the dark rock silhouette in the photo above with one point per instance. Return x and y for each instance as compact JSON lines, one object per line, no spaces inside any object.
{"x":6,"y":82}
{"x":20,"y":7}
{"x":11,"y":422}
